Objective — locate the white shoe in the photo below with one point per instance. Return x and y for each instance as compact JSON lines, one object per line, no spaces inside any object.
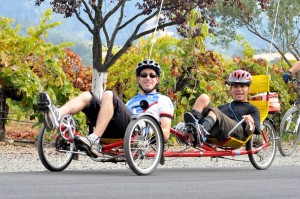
{"x":50,"y":112}
{"x":93,"y":148}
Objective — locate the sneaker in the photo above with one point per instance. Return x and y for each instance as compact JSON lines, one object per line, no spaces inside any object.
{"x":189,"y":118}
{"x":199,"y":133}
{"x":50,"y":112}
{"x":91,"y":146}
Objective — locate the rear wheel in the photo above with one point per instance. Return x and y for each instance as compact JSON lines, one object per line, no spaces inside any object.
{"x":289,"y":132}
{"x":54,"y":150}
{"x":264,"y":158}
{"x":143,"y":144}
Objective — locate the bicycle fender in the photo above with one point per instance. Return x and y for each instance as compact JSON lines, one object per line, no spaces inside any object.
{"x":138,"y":115}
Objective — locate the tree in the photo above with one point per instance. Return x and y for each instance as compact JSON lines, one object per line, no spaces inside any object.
{"x":194,"y":70}
{"x":98,"y":19}
{"x":260,"y":21}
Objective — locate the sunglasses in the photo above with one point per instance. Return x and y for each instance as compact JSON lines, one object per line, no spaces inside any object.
{"x":151,"y":75}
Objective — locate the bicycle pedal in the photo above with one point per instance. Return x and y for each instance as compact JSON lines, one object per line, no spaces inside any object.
{"x":43,"y":108}
{"x":88,"y":151}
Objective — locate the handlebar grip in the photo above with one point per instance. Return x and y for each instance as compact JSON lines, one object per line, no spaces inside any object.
{"x":251,"y":127}
{"x":236,"y":126}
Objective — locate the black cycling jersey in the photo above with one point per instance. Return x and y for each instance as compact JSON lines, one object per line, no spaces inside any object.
{"x":235,"y":110}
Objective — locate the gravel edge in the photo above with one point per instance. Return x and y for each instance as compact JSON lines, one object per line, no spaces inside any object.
{"x":23,"y":157}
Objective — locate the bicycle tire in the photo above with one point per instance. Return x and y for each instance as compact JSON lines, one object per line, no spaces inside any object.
{"x":264,"y":158}
{"x":288,"y":137}
{"x":143,"y":145}
{"x":50,"y":146}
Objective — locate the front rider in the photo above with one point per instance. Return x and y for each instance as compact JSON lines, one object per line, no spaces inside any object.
{"x":111,"y":116}
{"x":219,"y":121}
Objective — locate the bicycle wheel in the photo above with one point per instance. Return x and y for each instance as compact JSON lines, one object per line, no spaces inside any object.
{"x":54,"y":151}
{"x":289,"y":132}
{"x":143,"y":144}
{"x":265,"y":156}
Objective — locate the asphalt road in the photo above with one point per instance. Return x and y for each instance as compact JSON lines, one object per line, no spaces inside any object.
{"x":217,"y":183}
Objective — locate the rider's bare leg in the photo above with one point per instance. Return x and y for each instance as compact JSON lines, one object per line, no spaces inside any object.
{"x":201,"y":103}
{"x":76,"y":104}
{"x":105,"y":114}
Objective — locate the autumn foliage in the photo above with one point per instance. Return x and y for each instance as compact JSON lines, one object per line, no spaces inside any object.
{"x":78,"y":74}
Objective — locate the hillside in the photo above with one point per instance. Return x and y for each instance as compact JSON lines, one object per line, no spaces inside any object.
{"x":27,"y":14}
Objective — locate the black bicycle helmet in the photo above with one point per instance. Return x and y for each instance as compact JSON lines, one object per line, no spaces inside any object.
{"x":148,"y":64}
{"x":240,"y":77}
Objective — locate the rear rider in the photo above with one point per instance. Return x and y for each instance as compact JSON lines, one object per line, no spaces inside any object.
{"x":217,"y":122}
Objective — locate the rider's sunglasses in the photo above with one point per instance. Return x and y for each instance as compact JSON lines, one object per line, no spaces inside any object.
{"x":151,"y":75}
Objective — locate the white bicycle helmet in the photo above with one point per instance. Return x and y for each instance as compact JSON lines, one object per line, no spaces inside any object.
{"x":240,"y":77}
{"x":148,"y":64}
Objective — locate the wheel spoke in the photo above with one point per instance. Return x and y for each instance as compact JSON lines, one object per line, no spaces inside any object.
{"x":53,"y":150}
{"x":265,"y":156}
{"x":143,"y":145}
{"x":289,"y":134}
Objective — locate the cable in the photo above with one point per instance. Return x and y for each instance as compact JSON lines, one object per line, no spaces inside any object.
{"x":273,"y":33}
{"x":154,"y":34}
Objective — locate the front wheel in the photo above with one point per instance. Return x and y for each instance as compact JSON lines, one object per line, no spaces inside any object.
{"x":54,"y":151}
{"x":143,"y":144}
{"x":289,"y":132}
{"x":264,"y":157}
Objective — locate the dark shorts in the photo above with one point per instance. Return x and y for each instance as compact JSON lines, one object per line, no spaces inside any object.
{"x":223,"y":126}
{"x":298,"y":100}
{"x":119,"y":122}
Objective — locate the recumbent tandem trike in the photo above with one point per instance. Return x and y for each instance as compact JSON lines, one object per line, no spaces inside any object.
{"x":143,"y":147}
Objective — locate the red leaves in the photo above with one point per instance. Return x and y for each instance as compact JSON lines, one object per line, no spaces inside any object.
{"x":21,"y":131}
{"x":78,"y":74}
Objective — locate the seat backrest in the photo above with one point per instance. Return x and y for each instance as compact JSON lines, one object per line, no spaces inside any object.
{"x":261,"y":84}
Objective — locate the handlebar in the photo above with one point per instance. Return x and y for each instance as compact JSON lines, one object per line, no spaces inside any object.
{"x":295,"y":80}
{"x":238,"y":124}
{"x":295,"y":84}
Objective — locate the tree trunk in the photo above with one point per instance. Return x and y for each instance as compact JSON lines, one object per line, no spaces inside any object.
{"x":3,"y":114}
{"x":99,"y":76}
{"x":99,"y":83}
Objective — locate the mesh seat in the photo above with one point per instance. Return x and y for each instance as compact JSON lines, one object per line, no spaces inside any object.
{"x":231,"y":142}
{"x":261,"y":84}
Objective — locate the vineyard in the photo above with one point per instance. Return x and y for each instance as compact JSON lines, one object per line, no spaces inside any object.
{"x":29,"y":65}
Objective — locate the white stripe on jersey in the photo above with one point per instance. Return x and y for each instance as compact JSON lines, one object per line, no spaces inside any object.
{"x":158,"y":104}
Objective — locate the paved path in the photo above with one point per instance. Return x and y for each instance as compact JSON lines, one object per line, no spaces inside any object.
{"x":277,"y":182}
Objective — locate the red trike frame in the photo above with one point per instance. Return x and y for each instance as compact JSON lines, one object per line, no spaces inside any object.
{"x":58,"y":154}
{"x":206,"y":150}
